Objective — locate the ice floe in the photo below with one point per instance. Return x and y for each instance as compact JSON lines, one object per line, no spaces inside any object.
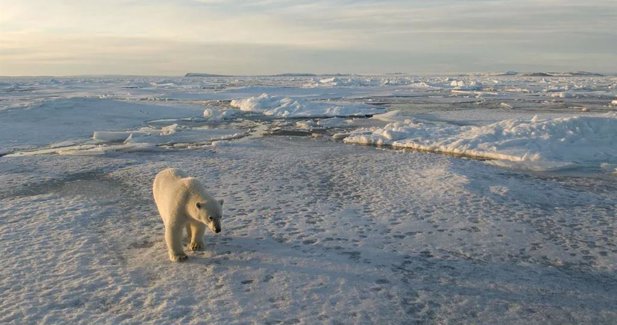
{"x":73,"y":118}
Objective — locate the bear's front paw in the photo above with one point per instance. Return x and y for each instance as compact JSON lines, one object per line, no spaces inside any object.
{"x":178,"y":258}
{"x":196,"y":246}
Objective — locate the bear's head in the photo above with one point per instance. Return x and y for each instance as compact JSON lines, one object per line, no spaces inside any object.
{"x":210,"y":214}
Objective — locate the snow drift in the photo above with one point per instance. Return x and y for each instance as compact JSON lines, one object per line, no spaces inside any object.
{"x":533,"y":144}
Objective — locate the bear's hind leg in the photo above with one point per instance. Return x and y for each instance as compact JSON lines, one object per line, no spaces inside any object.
{"x":173,"y":237}
{"x":196,"y":236}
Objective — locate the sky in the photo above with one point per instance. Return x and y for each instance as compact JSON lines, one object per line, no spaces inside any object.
{"x":172,"y":37}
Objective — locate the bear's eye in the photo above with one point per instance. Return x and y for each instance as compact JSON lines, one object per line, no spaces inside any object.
{"x":210,"y":218}
{"x":198,"y":205}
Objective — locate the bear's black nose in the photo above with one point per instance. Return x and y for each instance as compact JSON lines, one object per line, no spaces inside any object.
{"x":217,"y":230}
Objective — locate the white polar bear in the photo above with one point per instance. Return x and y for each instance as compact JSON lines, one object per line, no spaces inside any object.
{"x":183,"y":202}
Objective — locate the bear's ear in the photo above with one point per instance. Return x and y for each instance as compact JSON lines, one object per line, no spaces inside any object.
{"x":221,"y":202}
{"x":198,"y":205}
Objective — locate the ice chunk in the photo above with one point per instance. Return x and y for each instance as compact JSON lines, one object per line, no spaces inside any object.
{"x":170,"y":129}
{"x":306,"y":124}
{"x":462,"y":85}
{"x":279,"y":106}
{"x":457,"y":83}
{"x":217,"y":115}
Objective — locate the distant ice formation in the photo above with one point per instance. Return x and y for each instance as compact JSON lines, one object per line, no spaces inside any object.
{"x":279,"y":106}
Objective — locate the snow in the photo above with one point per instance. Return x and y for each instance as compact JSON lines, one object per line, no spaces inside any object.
{"x":313,"y":241}
{"x":217,"y":115}
{"x":278,"y":106}
{"x":314,"y":230}
{"x":536,"y":144}
{"x":462,"y":85}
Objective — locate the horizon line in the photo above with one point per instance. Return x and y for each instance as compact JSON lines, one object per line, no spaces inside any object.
{"x":580,"y":73}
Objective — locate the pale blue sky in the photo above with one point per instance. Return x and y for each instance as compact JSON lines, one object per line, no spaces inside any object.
{"x":165,"y":37}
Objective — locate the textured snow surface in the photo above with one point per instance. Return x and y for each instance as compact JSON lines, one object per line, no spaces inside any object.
{"x":313,"y":232}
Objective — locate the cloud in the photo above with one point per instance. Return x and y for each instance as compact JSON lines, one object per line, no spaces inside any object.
{"x":278,"y":35}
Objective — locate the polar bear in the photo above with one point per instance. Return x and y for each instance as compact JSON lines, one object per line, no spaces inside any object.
{"x":184,"y":203}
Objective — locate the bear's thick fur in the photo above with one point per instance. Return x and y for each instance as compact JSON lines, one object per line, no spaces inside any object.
{"x":184,"y":203}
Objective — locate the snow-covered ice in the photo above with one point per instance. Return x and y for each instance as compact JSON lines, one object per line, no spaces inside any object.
{"x":63,"y":119}
{"x":535,"y":144}
{"x":316,"y":230}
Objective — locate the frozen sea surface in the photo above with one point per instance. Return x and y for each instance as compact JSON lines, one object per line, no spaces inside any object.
{"x":315,"y":230}
{"x":533,"y":123}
